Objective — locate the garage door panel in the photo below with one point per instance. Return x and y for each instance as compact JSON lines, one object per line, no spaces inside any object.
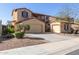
{"x":35,"y":28}
{"x":56,"y":29}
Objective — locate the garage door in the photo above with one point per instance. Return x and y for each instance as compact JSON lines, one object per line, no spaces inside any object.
{"x":35,"y":28}
{"x":56,"y":28}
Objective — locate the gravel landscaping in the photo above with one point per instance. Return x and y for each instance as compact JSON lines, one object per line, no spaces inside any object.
{"x":16,"y":43}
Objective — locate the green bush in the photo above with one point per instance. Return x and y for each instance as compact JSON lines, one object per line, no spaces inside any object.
{"x":10,"y":29}
{"x":21,"y":29}
{"x":9,"y":32}
{"x":19,"y":34}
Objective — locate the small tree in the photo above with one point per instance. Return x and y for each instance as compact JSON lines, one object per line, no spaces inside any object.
{"x":26,"y":28}
{"x":10,"y":29}
{"x":68,"y":13}
{"x":21,"y":30}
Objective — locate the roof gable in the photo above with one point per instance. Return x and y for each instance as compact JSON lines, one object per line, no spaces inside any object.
{"x":28,"y":20}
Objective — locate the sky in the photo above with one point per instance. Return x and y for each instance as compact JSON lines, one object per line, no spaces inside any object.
{"x":45,"y":8}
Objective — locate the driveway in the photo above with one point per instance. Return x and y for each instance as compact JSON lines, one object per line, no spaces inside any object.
{"x":76,"y":52}
{"x":58,"y":44}
{"x":53,"y":37}
{"x":55,"y":48}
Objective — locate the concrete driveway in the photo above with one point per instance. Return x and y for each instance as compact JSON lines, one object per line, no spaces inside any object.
{"x":52,"y":48}
{"x":59,"y":45}
{"x":53,"y":37}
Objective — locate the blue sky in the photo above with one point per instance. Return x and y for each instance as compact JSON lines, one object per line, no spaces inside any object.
{"x":44,"y":8}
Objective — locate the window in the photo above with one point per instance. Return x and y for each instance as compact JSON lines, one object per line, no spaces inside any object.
{"x":66,"y":27}
{"x":42,"y":17}
{"x":24,"y":14}
{"x":39,"y":17}
{"x":47,"y":17}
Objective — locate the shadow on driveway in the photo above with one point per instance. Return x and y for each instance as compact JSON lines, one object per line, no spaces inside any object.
{"x":76,"y":52}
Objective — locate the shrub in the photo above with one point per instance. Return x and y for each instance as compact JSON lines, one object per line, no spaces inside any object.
{"x":23,"y":27}
{"x":19,"y":34}
{"x":8,"y":33}
{"x":10,"y":29}
{"x":20,"y":30}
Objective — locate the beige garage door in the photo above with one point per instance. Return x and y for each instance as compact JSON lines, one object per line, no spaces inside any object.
{"x":35,"y":28}
{"x":56,"y":28}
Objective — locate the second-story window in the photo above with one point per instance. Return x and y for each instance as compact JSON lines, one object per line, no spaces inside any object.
{"x":25,"y":14}
{"x":47,"y":17}
{"x":42,"y":17}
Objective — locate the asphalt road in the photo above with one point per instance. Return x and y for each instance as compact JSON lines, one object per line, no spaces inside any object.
{"x":76,"y":52}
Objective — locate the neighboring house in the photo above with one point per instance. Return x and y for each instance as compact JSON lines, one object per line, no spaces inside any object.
{"x":75,"y":28}
{"x":4,"y":27}
{"x":9,"y":22}
{"x":40,"y":23}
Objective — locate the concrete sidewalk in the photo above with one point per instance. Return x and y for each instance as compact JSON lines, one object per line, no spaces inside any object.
{"x":45,"y":49}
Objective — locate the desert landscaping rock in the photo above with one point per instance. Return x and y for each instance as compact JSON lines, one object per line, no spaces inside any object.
{"x":17,"y":43}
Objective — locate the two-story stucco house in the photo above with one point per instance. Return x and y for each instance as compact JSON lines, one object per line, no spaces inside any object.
{"x":39,"y":23}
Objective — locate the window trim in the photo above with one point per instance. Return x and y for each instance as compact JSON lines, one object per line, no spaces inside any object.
{"x":66,"y":27}
{"x":24,"y":14}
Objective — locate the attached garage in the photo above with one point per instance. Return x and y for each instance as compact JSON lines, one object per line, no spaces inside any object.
{"x":36,"y":26}
{"x":55,"y":27}
{"x":60,"y":27}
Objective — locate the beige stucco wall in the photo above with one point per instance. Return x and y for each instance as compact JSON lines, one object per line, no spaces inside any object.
{"x":17,"y":15}
{"x":75,"y":26}
{"x":52,"y":19}
{"x":14,"y":16}
{"x":20,"y":14}
{"x":36,"y":26}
